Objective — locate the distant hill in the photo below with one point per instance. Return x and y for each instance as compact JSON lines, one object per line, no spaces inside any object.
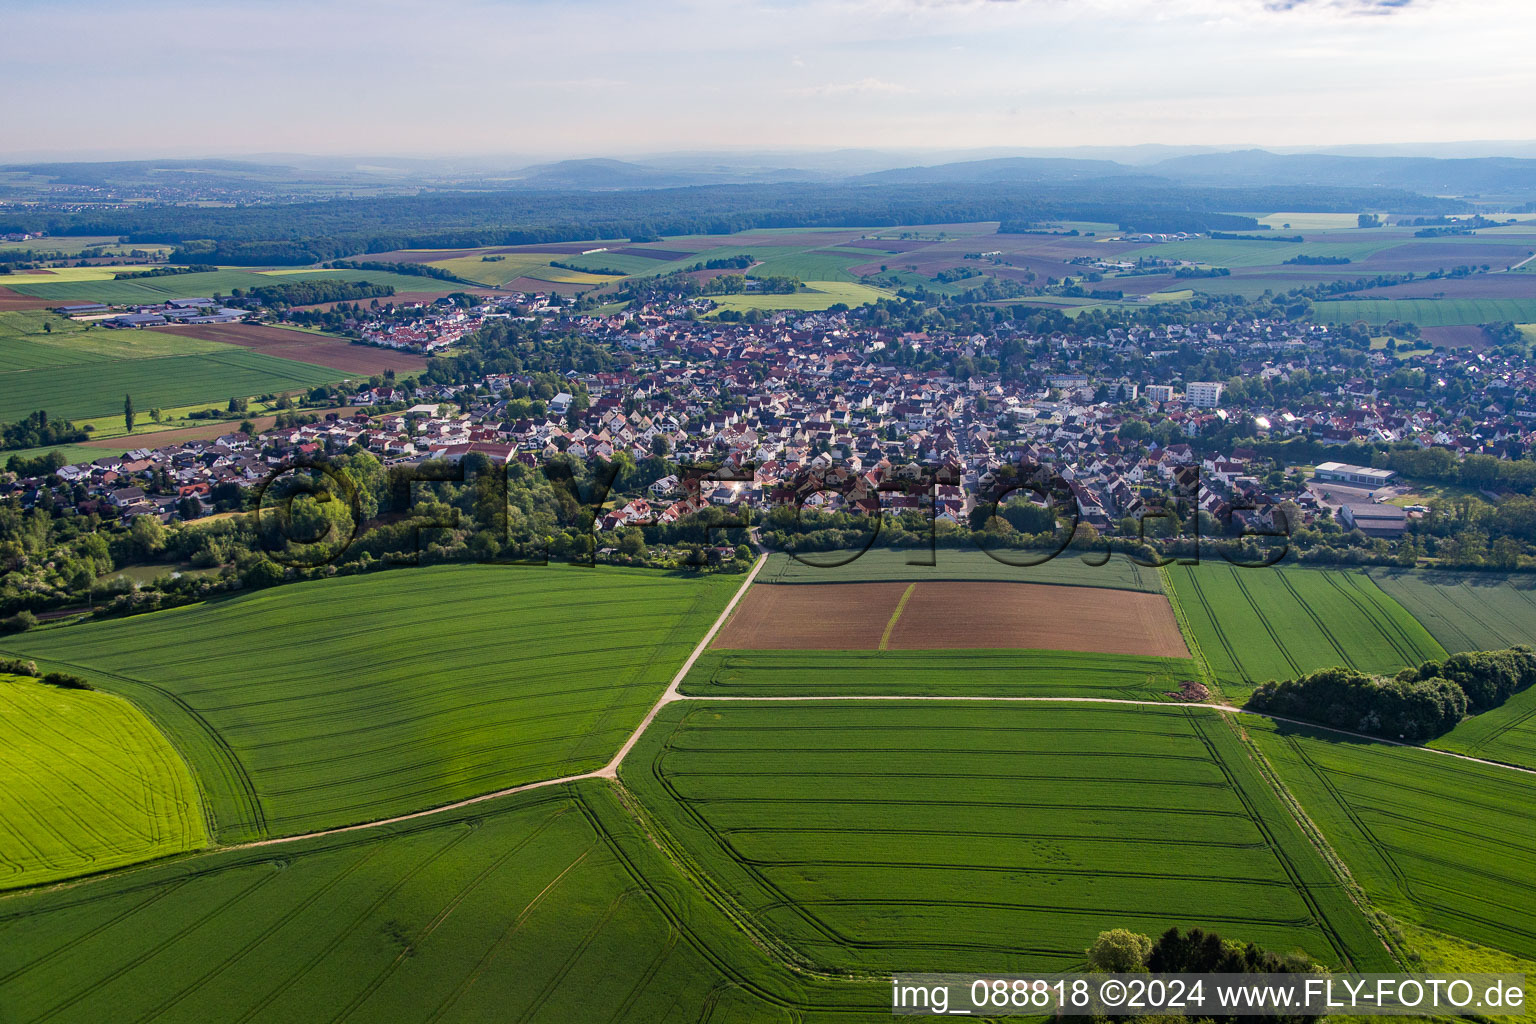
{"x":1421,"y":174}
{"x":1243,"y":168}
{"x":599,"y":173}
{"x":1003,"y":170}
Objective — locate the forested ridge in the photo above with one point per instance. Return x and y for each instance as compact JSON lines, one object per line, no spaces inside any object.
{"x":310,"y":232}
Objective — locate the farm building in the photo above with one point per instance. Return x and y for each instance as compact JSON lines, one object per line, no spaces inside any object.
{"x":1387,"y":521}
{"x":1343,"y":473}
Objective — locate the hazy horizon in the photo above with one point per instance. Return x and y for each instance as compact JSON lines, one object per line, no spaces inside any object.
{"x":544,"y":81}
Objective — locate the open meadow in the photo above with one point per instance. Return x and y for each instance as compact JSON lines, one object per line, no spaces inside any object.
{"x":866,"y":837}
{"x":548,"y":907}
{"x":1445,"y":843}
{"x":89,"y":785}
{"x":1253,"y":625}
{"x":353,"y":699}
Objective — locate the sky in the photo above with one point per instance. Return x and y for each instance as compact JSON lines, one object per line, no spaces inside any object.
{"x":544,"y":79}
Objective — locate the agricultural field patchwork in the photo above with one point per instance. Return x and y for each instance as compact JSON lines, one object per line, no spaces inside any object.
{"x":1466,"y":611}
{"x":1442,"y":842}
{"x":88,"y":785}
{"x":871,"y":837}
{"x":1252,"y":625}
{"x":353,"y":699}
{"x":548,"y":907}
{"x":94,"y":287}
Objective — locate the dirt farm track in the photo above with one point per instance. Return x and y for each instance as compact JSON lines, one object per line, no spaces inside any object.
{"x":947,"y":615}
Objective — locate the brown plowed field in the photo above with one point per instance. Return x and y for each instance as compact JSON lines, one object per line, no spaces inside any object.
{"x":317,"y":349}
{"x":817,"y":617}
{"x":1037,"y":615}
{"x":952,"y":615}
{"x":14,"y":300}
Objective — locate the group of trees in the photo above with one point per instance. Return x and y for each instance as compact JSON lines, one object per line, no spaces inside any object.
{"x":38,"y":431}
{"x":308,"y":293}
{"x":408,"y":269}
{"x":1196,"y":951}
{"x":1415,"y":704}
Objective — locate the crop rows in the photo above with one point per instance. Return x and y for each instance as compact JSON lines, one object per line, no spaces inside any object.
{"x":88,"y":785}
{"x":1465,"y":611}
{"x":547,"y":907}
{"x":1439,"y":841}
{"x":1506,"y":733}
{"x":1024,"y":673}
{"x":359,"y":698}
{"x":96,"y":387}
{"x":883,"y":837}
{"x":1258,"y":624}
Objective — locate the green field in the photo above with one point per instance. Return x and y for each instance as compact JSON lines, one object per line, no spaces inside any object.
{"x":1466,"y":611}
{"x":96,"y":387}
{"x":1506,"y":733}
{"x":1309,"y":221}
{"x":32,"y":339}
{"x":1011,"y":673}
{"x":73,"y":453}
{"x":882,"y":565}
{"x":546,"y":908}
{"x":872,"y":837}
{"x":820,"y":295}
{"x":598,"y":262}
{"x":1442,"y":842}
{"x":223,"y":281}
{"x":810,"y":266}
{"x":353,"y":699}
{"x":1426,"y":312}
{"x":76,"y":243}
{"x":1252,"y":625}
{"x":88,"y":785}
{"x":495,"y":272}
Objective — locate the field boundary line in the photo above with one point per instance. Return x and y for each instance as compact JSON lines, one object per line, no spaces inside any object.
{"x":885,"y":637}
{"x":1181,"y":617}
{"x":1313,"y":833}
{"x":670,"y":694}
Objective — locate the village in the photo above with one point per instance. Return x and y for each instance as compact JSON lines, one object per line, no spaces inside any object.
{"x":823,"y":396}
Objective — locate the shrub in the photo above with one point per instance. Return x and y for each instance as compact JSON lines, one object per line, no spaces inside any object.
{"x":19,"y":623}
{"x":1119,"y":951}
{"x":66,"y":681}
